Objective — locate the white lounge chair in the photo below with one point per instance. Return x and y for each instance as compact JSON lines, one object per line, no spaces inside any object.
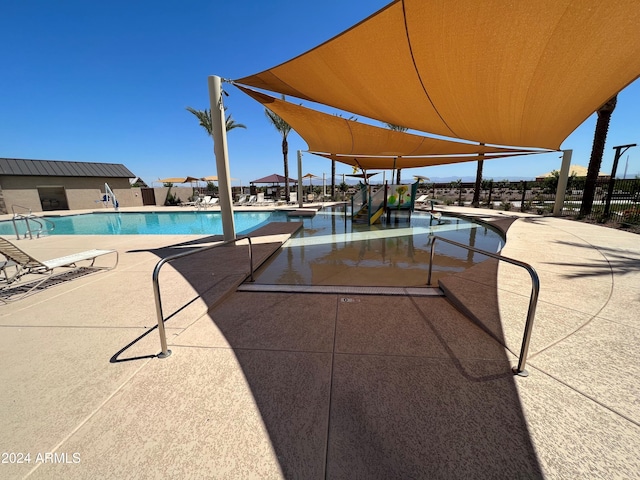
{"x":26,"y":264}
{"x":422,"y":199}
{"x":241,"y":200}
{"x":293,"y":197}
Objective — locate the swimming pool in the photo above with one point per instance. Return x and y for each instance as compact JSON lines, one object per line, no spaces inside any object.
{"x":330,"y":251}
{"x":150,"y":223}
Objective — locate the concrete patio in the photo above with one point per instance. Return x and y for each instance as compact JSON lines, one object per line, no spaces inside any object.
{"x":277,"y":385}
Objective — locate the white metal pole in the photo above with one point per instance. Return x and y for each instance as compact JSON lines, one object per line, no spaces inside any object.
{"x":562,"y":182}
{"x":324,"y":185}
{"x":300,"y":199}
{"x":222,"y":156}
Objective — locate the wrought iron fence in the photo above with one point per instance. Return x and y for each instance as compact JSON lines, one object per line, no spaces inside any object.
{"x":617,"y":200}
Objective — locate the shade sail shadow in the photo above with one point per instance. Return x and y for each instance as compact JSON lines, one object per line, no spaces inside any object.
{"x":384,"y":411}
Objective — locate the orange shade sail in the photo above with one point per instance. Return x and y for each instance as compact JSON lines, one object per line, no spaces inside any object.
{"x":332,"y":134}
{"x":386,"y":163}
{"x":501,"y":72}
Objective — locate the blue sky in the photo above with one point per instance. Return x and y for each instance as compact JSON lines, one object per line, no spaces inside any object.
{"x":109,"y":82}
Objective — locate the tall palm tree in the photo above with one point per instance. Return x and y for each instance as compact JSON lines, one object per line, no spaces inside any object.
{"x":205,"y":120}
{"x":599,"y":139}
{"x":476,"y":192}
{"x":397,"y":128}
{"x":284,"y":128}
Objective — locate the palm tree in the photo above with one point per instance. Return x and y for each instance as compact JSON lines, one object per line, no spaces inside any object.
{"x":397,"y":128}
{"x":599,"y":139}
{"x":284,"y":128}
{"x":476,"y":192}
{"x":205,"y":120}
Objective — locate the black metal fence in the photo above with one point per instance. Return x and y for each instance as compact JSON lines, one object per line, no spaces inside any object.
{"x":617,"y":200}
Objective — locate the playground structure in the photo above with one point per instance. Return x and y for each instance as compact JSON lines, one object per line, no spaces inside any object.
{"x":370,"y":206}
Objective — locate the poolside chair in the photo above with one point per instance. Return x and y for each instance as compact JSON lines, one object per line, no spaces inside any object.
{"x":203,"y":202}
{"x":422,"y":199}
{"x":252,"y":200}
{"x":241,"y":200}
{"x":293,"y":198}
{"x":25,"y":264}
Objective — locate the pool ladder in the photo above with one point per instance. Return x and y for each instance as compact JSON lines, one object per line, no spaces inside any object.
{"x":29,"y":219}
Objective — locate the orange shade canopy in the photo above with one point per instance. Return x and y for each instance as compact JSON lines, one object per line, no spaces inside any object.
{"x":386,"y":163}
{"x":332,"y":134}
{"x":502,"y":72}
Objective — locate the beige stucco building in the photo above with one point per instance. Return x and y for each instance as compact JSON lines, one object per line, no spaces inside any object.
{"x":44,"y":185}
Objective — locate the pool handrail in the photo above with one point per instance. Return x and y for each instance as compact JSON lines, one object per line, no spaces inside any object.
{"x":29,"y":217}
{"x":156,"y":284}
{"x":533,"y":300}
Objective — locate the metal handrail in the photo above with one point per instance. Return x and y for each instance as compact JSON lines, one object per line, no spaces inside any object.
{"x":156,"y":284}
{"x":27,"y":217}
{"x":533,"y":301}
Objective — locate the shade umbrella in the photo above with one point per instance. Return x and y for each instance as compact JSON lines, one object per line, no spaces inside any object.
{"x":422,"y":178}
{"x":310,"y":176}
{"x":179,"y":180}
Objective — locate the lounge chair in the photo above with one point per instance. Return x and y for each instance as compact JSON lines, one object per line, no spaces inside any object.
{"x":26,"y":264}
{"x":252,"y":200}
{"x":203,"y":202}
{"x":293,"y":198}
{"x":242,"y":200}
{"x":422,"y":199}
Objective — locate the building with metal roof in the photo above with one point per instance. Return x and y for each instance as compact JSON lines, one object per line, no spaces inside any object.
{"x":42,"y":185}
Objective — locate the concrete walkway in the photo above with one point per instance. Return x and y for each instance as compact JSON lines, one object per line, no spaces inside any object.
{"x":273,"y":385}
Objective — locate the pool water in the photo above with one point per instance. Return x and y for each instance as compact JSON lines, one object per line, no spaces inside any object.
{"x":150,"y":223}
{"x":329,"y":251}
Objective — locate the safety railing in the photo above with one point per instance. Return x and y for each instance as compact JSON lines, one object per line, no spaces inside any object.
{"x":29,"y":217}
{"x":533,"y":301}
{"x":156,"y":284}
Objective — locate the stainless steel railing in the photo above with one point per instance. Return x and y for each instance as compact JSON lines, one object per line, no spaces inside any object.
{"x":29,"y":217}
{"x":533,"y":301}
{"x":156,"y":284}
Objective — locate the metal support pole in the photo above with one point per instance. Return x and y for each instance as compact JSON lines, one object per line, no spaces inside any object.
{"x":620,"y":149}
{"x":562,"y":182}
{"x":300,"y":194}
{"x":219,"y":133}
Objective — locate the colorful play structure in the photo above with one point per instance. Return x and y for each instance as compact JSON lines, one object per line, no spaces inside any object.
{"x":371,"y":206}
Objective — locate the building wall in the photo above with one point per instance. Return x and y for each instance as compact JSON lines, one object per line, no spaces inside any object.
{"x":80,"y":192}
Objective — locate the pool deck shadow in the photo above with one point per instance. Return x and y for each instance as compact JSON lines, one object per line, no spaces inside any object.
{"x":277,"y":385}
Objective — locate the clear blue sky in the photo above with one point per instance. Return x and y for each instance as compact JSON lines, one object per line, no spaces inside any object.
{"x":109,"y":82}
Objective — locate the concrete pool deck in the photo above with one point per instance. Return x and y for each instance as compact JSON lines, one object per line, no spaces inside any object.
{"x":274,"y":385}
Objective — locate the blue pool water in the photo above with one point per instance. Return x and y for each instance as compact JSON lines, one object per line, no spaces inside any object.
{"x":150,"y":223}
{"x":329,"y":250}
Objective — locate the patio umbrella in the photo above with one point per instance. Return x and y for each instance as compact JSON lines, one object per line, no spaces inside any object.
{"x":422,"y":178}
{"x":179,"y":180}
{"x":310,"y":176}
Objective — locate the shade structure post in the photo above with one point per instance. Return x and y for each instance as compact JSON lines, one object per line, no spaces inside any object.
{"x":219,"y":134}
{"x":324,"y":185}
{"x":300,"y":195}
{"x":562,"y":182}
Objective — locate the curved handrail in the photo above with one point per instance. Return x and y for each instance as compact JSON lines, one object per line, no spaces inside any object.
{"x":533,"y":301}
{"x":156,"y":284}
{"x":27,"y":218}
